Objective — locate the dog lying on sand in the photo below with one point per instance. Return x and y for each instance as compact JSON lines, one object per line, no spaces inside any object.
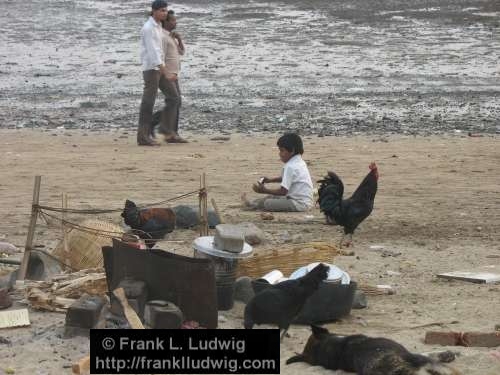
{"x":366,"y":356}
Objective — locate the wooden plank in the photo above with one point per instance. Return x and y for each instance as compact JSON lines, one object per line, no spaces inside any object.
{"x":483,"y":275}
{"x":14,"y":318}
{"x":31,"y":230}
{"x":130,"y":313}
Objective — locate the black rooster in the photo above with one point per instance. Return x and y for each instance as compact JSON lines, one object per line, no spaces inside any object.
{"x":348,"y":213}
{"x":150,"y":224}
{"x":279,"y":304}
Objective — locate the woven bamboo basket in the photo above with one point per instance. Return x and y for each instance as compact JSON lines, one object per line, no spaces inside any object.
{"x":84,"y":246}
{"x":287,"y":259}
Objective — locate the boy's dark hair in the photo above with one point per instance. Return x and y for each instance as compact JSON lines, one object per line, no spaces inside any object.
{"x":292,"y":143}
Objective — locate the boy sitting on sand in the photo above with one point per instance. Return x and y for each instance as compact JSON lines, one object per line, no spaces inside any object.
{"x":296,"y":190}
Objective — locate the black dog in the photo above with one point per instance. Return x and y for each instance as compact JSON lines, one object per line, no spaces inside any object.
{"x":281,"y":303}
{"x":366,"y":356}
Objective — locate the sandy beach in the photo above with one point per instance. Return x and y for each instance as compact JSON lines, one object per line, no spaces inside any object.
{"x":437,"y":206}
{"x":412,"y":85}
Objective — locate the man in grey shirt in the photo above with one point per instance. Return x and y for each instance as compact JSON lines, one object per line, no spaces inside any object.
{"x":153,"y":70}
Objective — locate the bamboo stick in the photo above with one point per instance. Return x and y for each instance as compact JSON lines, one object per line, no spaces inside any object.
{"x":31,"y":230}
{"x":205,"y":207}
{"x":66,"y":257}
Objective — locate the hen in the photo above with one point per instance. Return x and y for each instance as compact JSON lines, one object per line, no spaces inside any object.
{"x":279,"y":304}
{"x":150,"y":224}
{"x":348,"y":213}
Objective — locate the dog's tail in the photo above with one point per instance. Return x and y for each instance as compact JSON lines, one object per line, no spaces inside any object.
{"x":436,"y":368}
{"x":429,"y":366}
{"x":296,"y":358}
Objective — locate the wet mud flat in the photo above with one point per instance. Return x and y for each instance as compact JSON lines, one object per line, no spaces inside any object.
{"x":320,"y":67}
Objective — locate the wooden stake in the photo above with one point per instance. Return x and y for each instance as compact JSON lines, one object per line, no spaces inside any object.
{"x":66,"y":257}
{"x":200,"y":204}
{"x":205,"y":207}
{"x":31,"y":230}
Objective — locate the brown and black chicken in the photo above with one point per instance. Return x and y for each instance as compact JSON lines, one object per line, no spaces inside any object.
{"x":150,"y":224}
{"x":348,"y":213}
{"x":281,"y":303}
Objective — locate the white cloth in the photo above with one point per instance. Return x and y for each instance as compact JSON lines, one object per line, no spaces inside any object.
{"x":151,"y":45}
{"x":297,"y":180}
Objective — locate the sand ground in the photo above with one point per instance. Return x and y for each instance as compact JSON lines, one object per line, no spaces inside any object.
{"x":437,"y":205}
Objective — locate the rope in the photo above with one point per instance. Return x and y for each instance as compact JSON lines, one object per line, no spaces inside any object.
{"x":103,"y":233}
{"x":100,"y":232}
{"x":111,"y":210}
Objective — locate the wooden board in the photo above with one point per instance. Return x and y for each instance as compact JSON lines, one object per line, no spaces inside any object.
{"x":14,"y":318}
{"x":482,"y":275}
{"x":130,"y":314}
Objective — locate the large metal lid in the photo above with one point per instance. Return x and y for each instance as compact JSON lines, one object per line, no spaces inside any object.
{"x":206,"y":245}
{"x":335,"y":274}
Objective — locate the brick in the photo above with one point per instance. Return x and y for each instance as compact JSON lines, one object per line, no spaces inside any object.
{"x":476,"y":339}
{"x":84,"y":312}
{"x":229,"y":237}
{"x":162,"y":315}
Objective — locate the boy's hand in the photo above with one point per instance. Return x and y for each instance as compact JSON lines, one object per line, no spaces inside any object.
{"x":258,"y":188}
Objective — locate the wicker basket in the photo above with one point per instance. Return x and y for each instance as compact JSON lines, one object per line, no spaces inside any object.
{"x":84,"y":246}
{"x":287,"y":259}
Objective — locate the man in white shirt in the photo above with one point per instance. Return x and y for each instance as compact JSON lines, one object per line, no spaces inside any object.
{"x":153,"y":70}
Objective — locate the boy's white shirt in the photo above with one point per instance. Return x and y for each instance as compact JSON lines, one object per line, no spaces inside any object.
{"x":297,"y":180}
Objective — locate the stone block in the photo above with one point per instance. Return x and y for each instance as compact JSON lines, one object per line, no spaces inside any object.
{"x":5,"y":300}
{"x":84,"y":312}
{"x":253,"y":234}
{"x":9,"y":280}
{"x":229,"y":237}
{"x":72,"y":331}
{"x":359,"y":301}
{"x":162,"y":315}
